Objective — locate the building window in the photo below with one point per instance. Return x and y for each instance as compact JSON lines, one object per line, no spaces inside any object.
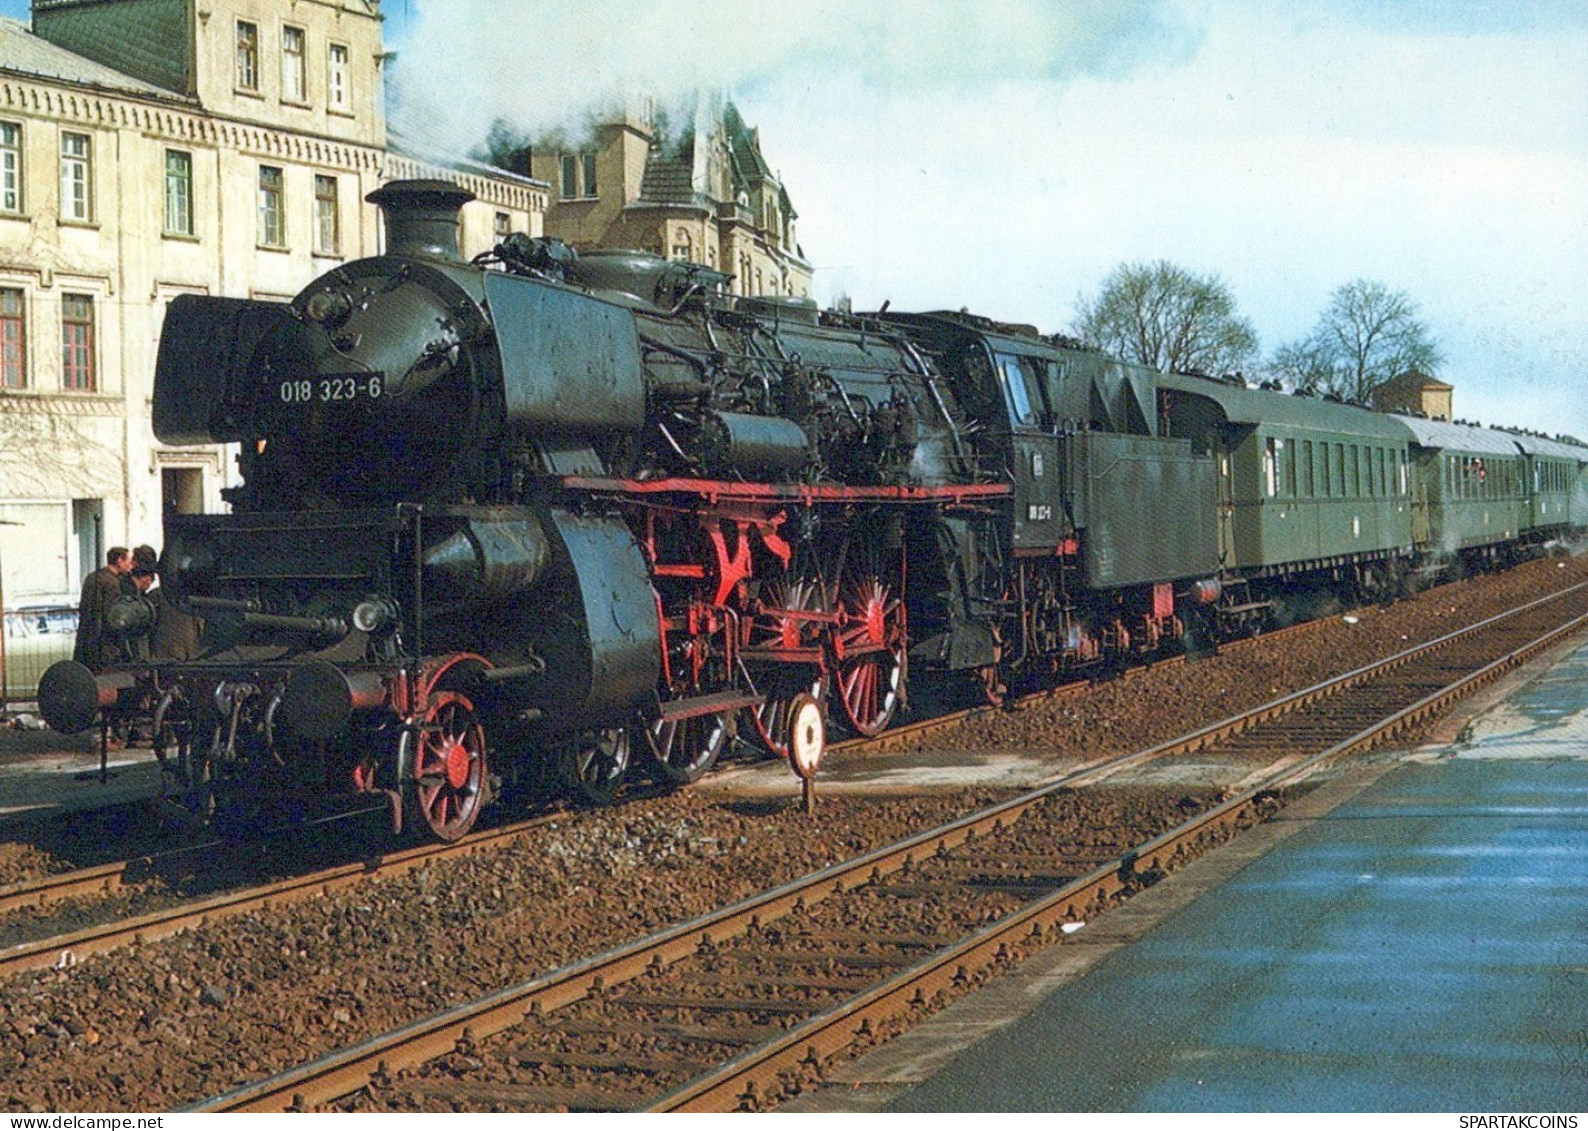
{"x":178,"y":193}
{"x":682,"y":246}
{"x":13,"y":340}
{"x":271,"y":231}
{"x":327,"y":217}
{"x":293,"y":84}
{"x":502,"y":226}
{"x":340,"y":96}
{"x":570,"y":176}
{"x":10,"y":167}
{"x":77,"y":343}
{"x":588,"y":161}
{"x":247,"y":56}
{"x":76,"y":178}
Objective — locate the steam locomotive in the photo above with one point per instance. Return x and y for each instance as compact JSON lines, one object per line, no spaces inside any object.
{"x":550,"y":517}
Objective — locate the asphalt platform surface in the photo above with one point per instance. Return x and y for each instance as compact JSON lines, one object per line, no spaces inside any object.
{"x":1413,"y":936}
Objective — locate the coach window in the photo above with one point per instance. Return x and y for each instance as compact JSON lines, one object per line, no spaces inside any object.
{"x":1290,"y":468}
{"x":1271,"y":468}
{"x":1306,"y":466}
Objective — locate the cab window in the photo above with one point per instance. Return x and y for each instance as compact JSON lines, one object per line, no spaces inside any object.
{"x":1022,"y":379}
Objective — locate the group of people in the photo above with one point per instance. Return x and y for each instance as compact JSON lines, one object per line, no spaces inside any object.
{"x":130,"y":573}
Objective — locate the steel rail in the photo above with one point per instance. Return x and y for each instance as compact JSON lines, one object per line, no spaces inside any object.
{"x":61,"y":951}
{"x":338,"y":1073}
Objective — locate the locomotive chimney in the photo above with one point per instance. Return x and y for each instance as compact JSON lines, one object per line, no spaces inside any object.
{"x":421,"y":217}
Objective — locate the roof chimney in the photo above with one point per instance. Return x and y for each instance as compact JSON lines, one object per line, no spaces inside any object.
{"x":422,"y":217}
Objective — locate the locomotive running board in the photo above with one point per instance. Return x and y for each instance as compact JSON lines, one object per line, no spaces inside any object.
{"x":955,"y":494}
{"x":717,"y":701}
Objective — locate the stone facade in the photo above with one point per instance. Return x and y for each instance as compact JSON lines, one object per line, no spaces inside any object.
{"x":150,"y":148}
{"x":1416,"y":394}
{"x":699,"y":191}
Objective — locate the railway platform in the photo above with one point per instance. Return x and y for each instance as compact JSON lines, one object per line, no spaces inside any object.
{"x":41,"y":772}
{"x":1411,"y":936}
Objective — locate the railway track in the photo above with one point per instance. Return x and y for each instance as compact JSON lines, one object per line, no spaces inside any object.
{"x":68,"y":949}
{"x":718,"y":1013}
{"x":107,"y":879}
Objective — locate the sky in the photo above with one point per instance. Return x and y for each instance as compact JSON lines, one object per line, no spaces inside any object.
{"x":1005,"y":155}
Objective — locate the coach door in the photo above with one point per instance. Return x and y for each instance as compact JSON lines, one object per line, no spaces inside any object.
{"x":1225,"y":459}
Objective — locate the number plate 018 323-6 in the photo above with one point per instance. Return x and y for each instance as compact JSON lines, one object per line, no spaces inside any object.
{"x":334,"y":388}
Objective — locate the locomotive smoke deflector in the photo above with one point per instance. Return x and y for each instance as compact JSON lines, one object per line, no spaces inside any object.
{"x":422,"y":217}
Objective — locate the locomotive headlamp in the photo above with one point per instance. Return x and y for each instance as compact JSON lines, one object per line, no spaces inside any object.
{"x":373,"y":614}
{"x":329,"y":308}
{"x":130,"y":615}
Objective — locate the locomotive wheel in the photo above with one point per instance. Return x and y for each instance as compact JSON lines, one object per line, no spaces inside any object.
{"x":871,"y":650}
{"x":683,"y":750}
{"x":592,"y":769}
{"x":449,"y":767}
{"x":773,"y":720}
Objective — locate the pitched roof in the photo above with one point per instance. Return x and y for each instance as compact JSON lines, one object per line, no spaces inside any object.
{"x":669,"y":178}
{"x":22,"y":52}
{"x":1413,"y":380}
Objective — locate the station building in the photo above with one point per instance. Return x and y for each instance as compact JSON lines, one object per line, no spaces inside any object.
{"x":150,"y":148}
{"x":697,"y":190}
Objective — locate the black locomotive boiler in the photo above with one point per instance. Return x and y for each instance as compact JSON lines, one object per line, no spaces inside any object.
{"x":550,"y":517}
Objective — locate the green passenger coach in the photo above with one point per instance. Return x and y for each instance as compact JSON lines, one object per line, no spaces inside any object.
{"x":1556,"y":476}
{"x":1469,"y":494}
{"x":1303,"y":482}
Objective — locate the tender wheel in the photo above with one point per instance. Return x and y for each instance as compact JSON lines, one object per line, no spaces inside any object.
{"x":871,"y":649}
{"x":683,"y":750}
{"x":449,"y":767}
{"x":592,"y":768}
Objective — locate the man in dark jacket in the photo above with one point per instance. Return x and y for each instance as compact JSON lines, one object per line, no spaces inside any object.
{"x":100,"y":590}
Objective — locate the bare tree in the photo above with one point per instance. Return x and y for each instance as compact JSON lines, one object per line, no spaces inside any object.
{"x":1162,"y":315}
{"x":42,"y":445}
{"x":1368,"y":335}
